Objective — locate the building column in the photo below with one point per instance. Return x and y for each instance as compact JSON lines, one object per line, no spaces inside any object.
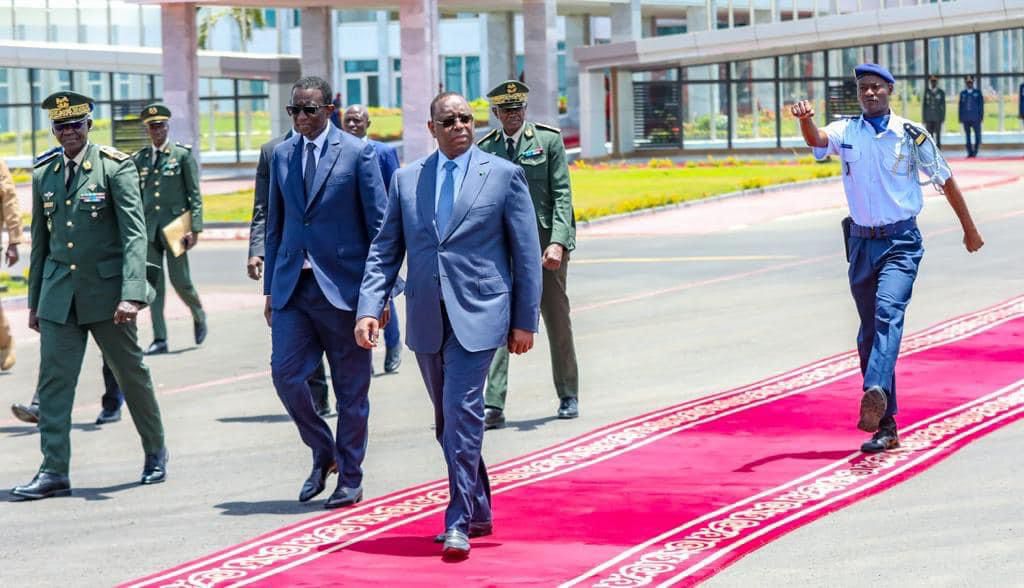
{"x":280,"y":91}
{"x":497,"y":52}
{"x":181,"y":71}
{"x":540,"y":37}
{"x":384,"y":60}
{"x":418,"y":21}
{"x":577,"y":34}
{"x":627,"y":25}
{"x":317,"y":43}
{"x":593,"y":117}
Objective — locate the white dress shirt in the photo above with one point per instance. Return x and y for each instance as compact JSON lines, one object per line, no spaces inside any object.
{"x":77,"y":159}
{"x":514,"y":136}
{"x":876,"y":170}
{"x":458,"y":174}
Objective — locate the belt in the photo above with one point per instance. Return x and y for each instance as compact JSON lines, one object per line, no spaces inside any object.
{"x":884,"y":231}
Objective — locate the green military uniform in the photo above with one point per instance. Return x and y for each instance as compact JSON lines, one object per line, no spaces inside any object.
{"x":88,"y":254}
{"x":934,"y":111}
{"x":170,"y":186}
{"x":541,"y":153}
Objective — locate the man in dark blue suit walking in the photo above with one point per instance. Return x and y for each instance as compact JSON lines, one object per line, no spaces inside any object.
{"x":357,"y":121}
{"x":325,"y":205}
{"x":971,"y":113}
{"x":466,"y":219}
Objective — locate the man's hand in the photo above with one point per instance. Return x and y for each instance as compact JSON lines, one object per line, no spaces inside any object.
{"x":802,"y":109}
{"x":33,"y":321}
{"x":12,"y":254}
{"x":367,"y":329}
{"x":520,"y":341}
{"x":267,"y":313}
{"x":973,"y":240}
{"x":254,"y":267}
{"x":190,"y":240}
{"x":552,"y":258}
{"x":385,"y":317}
{"x":126,"y":312}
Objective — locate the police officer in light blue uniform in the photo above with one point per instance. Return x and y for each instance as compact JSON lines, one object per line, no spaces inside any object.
{"x":882,"y":156}
{"x":972,"y":112}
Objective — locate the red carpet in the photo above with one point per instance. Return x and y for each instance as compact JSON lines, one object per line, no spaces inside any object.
{"x":671,"y":497}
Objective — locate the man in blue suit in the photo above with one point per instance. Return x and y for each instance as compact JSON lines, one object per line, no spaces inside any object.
{"x":357,"y":121}
{"x":467,"y":222}
{"x":972,"y":112}
{"x":325,"y":205}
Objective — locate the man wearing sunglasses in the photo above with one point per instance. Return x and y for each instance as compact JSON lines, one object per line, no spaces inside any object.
{"x":325,"y":205}
{"x":465,"y":218}
{"x":169,"y":180}
{"x":87,"y":276}
{"x":539,"y":150}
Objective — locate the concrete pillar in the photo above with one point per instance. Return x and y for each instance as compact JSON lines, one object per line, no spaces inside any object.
{"x":627,"y":25}
{"x":418,"y":21}
{"x":181,"y":71}
{"x":280,"y":90}
{"x":317,"y":43}
{"x":497,"y":52}
{"x":540,"y":36}
{"x":593,"y":119}
{"x":383,"y":59}
{"x":577,"y":34}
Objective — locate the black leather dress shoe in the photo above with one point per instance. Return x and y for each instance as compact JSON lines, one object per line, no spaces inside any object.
{"x":157,"y":347}
{"x":568,"y":408}
{"x":316,"y":482}
{"x":108,"y":416}
{"x":324,"y":411}
{"x":456,"y":545}
{"x":393,"y":359}
{"x":44,"y":485}
{"x":344,"y":496}
{"x":155,"y":469}
{"x":887,"y":437}
{"x":27,"y":414}
{"x":481,"y":529}
{"x":200,"y":332}
{"x":494,"y":418}
{"x":872,"y":409}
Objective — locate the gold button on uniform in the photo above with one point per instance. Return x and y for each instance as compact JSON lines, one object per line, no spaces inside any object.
{"x":157,"y":194}
{"x":70,"y":224}
{"x":73,"y":267}
{"x":67,"y":203}
{"x":71,"y":245}
{"x":95,"y":214}
{"x":158,"y":207}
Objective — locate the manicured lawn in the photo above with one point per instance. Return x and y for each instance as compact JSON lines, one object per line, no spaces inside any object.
{"x":10,"y":287}
{"x":604,"y":190}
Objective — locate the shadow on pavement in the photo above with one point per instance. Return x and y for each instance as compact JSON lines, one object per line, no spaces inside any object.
{"x":530,"y":425}
{"x":241,"y":509}
{"x":81,"y":493}
{"x":813,"y":455}
{"x":22,"y":430}
{"x":260,"y":418}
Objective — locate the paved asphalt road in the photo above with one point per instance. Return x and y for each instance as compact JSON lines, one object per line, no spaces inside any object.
{"x":659,"y":319}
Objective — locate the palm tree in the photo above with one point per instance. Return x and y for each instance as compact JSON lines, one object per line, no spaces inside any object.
{"x":245,"y":18}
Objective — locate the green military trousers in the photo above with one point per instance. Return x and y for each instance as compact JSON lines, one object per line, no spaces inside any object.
{"x":554,"y":309}
{"x":60,"y":362}
{"x":181,"y":281}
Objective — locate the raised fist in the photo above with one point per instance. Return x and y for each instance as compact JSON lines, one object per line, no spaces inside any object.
{"x":802,"y":109}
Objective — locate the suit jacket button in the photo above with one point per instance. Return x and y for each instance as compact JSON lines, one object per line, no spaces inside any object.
{"x":440,"y":248}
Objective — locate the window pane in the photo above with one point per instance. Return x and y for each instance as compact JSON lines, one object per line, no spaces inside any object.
{"x":31,"y":20}
{"x":1001,"y":51}
{"x":473,"y":77}
{"x":952,"y":55}
{"x":753,"y":114}
{"x":63,"y":21}
{"x":94,"y":25}
{"x":841,"y":62}
{"x":353,"y":91}
{"x":453,"y":74}
{"x":360,"y":65}
{"x":793,"y":92}
{"x":762,"y":69}
{"x":6,"y":21}
{"x":799,"y":66}
{"x":903,"y":59}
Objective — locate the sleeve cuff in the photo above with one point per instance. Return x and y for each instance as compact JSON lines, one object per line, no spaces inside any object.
{"x":133,"y":290}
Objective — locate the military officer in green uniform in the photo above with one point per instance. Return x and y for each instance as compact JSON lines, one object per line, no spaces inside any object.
{"x":539,"y":150}
{"x":933,"y":109}
{"x":169,"y":179}
{"x":87,"y":276}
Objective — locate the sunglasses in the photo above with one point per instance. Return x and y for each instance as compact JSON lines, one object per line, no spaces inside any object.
{"x":510,"y":109}
{"x":157,"y":125}
{"x":450,"y":121}
{"x":309,"y":110}
{"x":76,"y":125}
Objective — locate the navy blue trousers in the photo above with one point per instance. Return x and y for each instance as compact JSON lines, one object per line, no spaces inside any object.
{"x":392,"y":334}
{"x":307,"y":328}
{"x":455,"y":381}
{"x":972,"y":148}
{"x":882,"y":274}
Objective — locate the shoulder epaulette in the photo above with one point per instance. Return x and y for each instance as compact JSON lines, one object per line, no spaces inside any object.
{"x":189,"y":147}
{"x":547,"y":127}
{"x":46,"y":157}
{"x":114,"y":153}
{"x":488,"y":136}
{"x":139,"y":152}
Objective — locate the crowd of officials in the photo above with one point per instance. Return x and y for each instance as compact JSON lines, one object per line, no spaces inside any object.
{"x":485,"y":230}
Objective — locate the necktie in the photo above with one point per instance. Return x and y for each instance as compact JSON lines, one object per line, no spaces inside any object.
{"x":71,"y":175}
{"x":510,"y":148}
{"x":447,"y":200}
{"x":307,"y":176}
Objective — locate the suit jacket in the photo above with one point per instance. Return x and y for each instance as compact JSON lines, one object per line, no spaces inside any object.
{"x":169,"y":187}
{"x":972,"y":106}
{"x":541,"y":152}
{"x":485,"y":266}
{"x":89,"y":242}
{"x":333,"y":229}
{"x":258,"y":225}
{"x":388,"y":159}
{"x":10,"y":212}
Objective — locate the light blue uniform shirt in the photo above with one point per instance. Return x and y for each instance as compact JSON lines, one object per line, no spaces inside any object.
{"x":880,"y":188}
